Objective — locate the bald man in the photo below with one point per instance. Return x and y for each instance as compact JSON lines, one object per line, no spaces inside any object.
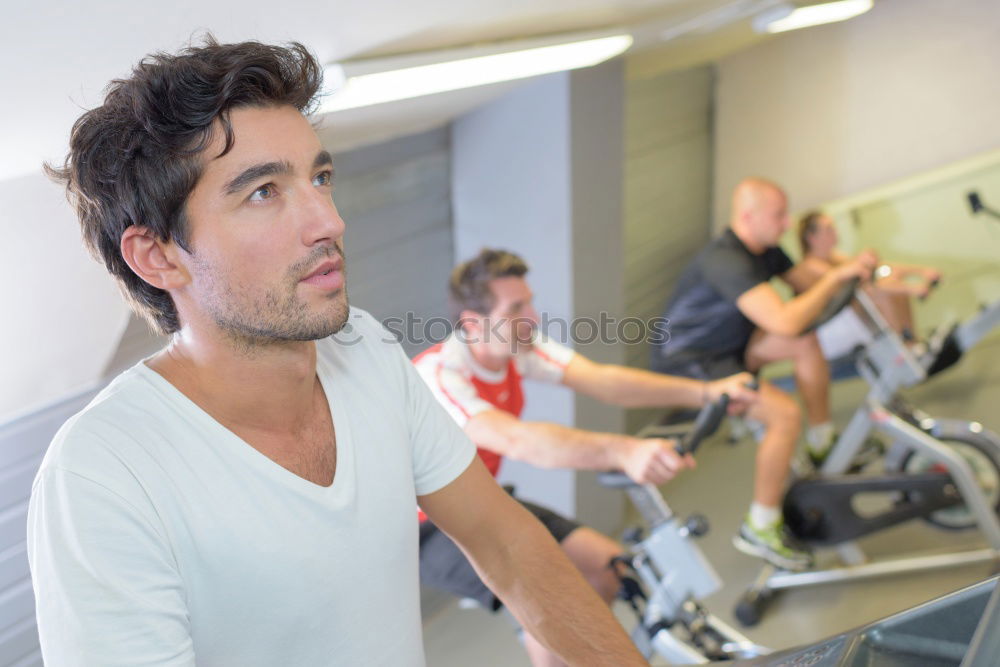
{"x":725,"y":317}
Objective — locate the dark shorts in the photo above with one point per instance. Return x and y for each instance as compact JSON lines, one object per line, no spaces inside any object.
{"x":445,"y":567}
{"x":712,"y":368}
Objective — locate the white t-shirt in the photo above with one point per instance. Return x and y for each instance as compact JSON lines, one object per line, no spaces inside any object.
{"x":158,"y":537}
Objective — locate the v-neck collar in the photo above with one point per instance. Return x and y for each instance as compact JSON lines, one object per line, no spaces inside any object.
{"x":343,"y":478}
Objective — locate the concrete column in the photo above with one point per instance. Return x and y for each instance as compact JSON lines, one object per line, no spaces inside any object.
{"x":539,"y":172}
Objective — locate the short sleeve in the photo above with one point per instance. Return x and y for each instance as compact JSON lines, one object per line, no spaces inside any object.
{"x":107,"y":590}
{"x":441,"y":450}
{"x":546,"y":362}
{"x":732,"y":272}
{"x":777,"y":261}
{"x":453,"y":391}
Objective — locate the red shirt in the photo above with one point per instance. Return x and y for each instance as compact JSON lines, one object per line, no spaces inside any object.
{"x":464,"y":388}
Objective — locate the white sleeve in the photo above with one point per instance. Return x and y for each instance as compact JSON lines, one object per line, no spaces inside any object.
{"x":546,"y":362}
{"x":107,"y":590}
{"x":453,"y":391}
{"x":441,"y":450}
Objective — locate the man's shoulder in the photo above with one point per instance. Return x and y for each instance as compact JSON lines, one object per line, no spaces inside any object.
{"x":110,"y":427}
{"x":431,"y":355}
{"x":545,"y":355}
{"x":444,"y":360}
{"x":726,"y":247}
{"x":777,"y":255}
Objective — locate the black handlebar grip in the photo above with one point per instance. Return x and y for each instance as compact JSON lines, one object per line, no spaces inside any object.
{"x":975,"y":203}
{"x":931,"y":286}
{"x":705,"y":424}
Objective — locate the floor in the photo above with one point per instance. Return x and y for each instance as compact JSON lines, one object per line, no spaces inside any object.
{"x":461,"y":637}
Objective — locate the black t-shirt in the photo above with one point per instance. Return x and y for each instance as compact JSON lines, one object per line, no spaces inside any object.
{"x":704,"y":321}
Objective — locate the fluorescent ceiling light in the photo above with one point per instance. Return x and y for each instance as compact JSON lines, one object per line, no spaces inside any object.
{"x":788,"y":17}
{"x":365,"y":89}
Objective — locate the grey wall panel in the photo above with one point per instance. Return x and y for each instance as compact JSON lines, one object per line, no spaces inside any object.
{"x":16,"y":604}
{"x":597,"y":154}
{"x":20,"y":644}
{"x":15,"y":484}
{"x":14,"y":561}
{"x":396,"y":201}
{"x":23,"y":441}
{"x":33,"y":659}
{"x":667,"y":194}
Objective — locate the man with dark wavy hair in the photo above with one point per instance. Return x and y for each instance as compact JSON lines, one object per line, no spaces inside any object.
{"x":247,"y":495}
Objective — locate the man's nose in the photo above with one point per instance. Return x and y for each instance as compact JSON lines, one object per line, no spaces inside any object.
{"x":321,"y":220}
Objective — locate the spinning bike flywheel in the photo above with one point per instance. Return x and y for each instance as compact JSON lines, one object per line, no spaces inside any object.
{"x":984,"y":460}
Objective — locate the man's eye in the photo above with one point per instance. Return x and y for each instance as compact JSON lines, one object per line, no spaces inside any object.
{"x":323,"y":178}
{"x":262,"y":193}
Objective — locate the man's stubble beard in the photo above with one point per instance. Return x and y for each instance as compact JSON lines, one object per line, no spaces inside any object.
{"x":253,"y":320}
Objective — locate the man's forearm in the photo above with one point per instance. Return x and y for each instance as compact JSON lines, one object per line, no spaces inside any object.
{"x":637,"y":388}
{"x":801,"y":311}
{"x":894,"y":285}
{"x":555,"y":446}
{"x":553,"y":602}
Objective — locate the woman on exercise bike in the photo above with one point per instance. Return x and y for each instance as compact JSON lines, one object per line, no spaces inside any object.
{"x":895,"y":286}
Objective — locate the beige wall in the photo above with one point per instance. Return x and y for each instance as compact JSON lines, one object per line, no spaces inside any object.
{"x":833,"y":110}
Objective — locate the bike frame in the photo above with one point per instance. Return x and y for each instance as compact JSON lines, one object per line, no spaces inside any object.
{"x":676,"y":575}
{"x":888,"y":365}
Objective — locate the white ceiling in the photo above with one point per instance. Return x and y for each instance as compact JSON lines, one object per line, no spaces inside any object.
{"x":59,"y":55}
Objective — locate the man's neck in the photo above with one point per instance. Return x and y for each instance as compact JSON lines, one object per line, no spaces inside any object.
{"x":483,"y":356}
{"x":269,"y":388}
{"x":747,"y":239}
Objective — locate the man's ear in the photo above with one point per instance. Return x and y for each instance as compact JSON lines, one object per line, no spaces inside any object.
{"x":151,"y":259}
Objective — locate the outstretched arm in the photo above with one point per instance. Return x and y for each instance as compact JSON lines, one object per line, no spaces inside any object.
{"x":907,"y":279}
{"x":637,"y":388}
{"x":763,"y":305}
{"x":547,"y":445}
{"x":518,"y":559}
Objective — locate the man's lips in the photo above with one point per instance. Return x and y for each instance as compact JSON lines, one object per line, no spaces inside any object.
{"x":328,"y":275}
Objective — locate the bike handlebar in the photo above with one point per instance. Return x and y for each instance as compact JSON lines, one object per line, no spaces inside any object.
{"x":705,"y":424}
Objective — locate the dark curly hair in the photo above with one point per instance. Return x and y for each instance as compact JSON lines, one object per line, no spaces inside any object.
{"x":469,"y":285}
{"x":135,"y":159}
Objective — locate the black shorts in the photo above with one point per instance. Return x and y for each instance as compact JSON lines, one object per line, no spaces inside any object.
{"x":445,"y":567}
{"x":712,"y":368}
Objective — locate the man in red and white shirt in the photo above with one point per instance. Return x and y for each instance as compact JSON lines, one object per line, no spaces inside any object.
{"x":476,"y":375}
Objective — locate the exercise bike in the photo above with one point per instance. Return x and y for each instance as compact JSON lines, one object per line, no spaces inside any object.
{"x":664,"y":574}
{"x":944,"y":471}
